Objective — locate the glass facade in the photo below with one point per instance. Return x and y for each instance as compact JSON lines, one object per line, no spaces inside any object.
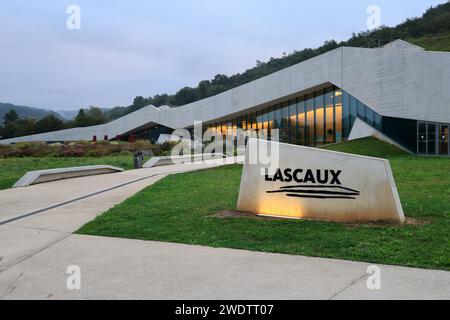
{"x":327,"y":116}
{"x":433,"y":138}
{"x":151,"y":134}
{"x":443,"y":140}
{"x":322,"y":117}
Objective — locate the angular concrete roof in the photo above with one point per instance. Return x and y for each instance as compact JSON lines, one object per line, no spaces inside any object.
{"x":398,"y":80}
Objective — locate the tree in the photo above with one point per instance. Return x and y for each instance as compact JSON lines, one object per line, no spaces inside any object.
{"x":70,"y":124}
{"x":48,"y":124}
{"x":10,"y":116}
{"x":116,"y":113}
{"x":160,"y":100}
{"x":139,"y":102}
{"x":18,"y":128}
{"x":185,"y":96}
{"x":220,"y":79}
{"x":203,"y":89}
{"x":96,"y":116}
{"x":82,"y":120}
{"x":24,"y":127}
{"x":90,"y":117}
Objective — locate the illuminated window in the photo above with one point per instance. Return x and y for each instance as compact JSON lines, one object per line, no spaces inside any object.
{"x":301,"y":122}
{"x":329,"y":116}
{"x":253,"y":120}
{"x":259,"y":121}
{"x":338,"y":115}
{"x":293,"y":121}
{"x":320,"y":119}
{"x":284,"y":129}
{"x":277,"y":120}
{"x":309,"y":105}
{"x":224,"y":128}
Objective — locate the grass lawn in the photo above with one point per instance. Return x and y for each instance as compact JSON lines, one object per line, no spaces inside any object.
{"x":181,"y":208}
{"x":12,"y":169}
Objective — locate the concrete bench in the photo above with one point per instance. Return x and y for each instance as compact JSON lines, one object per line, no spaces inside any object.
{"x":41,"y":176}
{"x":168,"y":160}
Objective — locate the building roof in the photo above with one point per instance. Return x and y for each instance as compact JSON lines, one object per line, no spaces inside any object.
{"x":397,"y":80}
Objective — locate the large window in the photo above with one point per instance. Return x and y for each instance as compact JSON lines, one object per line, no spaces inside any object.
{"x":244,"y":122}
{"x":253,"y":121}
{"x":353,"y":110}
{"x":320,"y":119}
{"x":224,"y":128}
{"x":329,"y":116}
{"x":309,"y":106}
{"x":422,"y":138}
{"x":361,"y":110}
{"x":338,"y":115}
{"x":277,"y":121}
{"x":301,"y":122}
{"x":443,"y":140}
{"x":369,"y":116}
{"x":377,"y":119}
{"x":270,"y":119}
{"x":259,"y":120}
{"x":431,"y":140}
{"x":345,"y":116}
{"x":293,"y":121}
{"x":284,"y":128}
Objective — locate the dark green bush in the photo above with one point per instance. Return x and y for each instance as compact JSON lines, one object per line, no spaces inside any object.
{"x":80,"y":149}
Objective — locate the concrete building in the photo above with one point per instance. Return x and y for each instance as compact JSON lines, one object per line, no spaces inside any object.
{"x":399,"y":92}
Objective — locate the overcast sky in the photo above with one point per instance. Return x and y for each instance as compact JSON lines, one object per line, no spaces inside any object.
{"x":129,"y":48}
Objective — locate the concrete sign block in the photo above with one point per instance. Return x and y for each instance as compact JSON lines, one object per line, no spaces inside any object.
{"x":41,"y":176}
{"x":169,"y":160}
{"x":322,"y":185}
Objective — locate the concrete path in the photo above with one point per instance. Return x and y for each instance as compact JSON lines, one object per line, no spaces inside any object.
{"x":34,"y":217}
{"x":114,"y":268}
{"x":36,"y":250}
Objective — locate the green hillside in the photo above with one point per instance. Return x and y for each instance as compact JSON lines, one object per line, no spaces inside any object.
{"x":26,"y":112}
{"x":439,"y":42}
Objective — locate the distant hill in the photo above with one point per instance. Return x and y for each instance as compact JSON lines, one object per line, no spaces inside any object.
{"x":27,"y":112}
{"x":68,"y":114}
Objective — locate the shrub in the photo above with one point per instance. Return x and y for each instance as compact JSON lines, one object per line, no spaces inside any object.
{"x":82,"y":148}
{"x":142,"y":145}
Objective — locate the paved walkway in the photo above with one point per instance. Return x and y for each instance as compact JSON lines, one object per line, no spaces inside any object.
{"x":36,"y":247}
